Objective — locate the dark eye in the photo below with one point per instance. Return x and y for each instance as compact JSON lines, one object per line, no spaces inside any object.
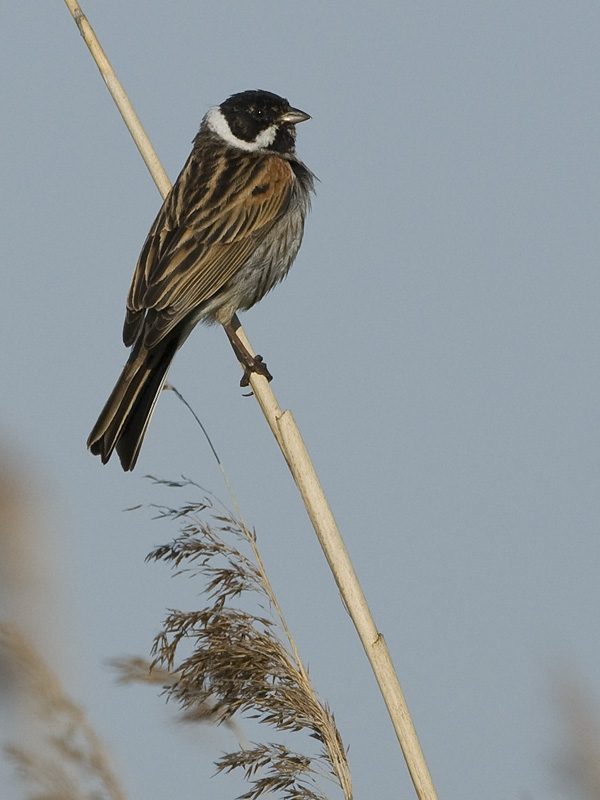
{"x":259,"y":112}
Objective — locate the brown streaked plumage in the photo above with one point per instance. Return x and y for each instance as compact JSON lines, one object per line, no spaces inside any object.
{"x":227,"y":233}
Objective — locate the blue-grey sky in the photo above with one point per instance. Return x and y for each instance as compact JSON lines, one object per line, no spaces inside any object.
{"x":437,"y":340}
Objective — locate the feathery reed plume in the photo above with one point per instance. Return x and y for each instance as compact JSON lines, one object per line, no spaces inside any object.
{"x":67,"y":761}
{"x":134,"y":669}
{"x":238,"y":661}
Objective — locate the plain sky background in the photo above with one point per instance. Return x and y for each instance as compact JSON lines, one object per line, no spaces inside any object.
{"x":437,"y":340}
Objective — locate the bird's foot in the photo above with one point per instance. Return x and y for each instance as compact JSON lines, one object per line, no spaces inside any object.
{"x":255,"y":364}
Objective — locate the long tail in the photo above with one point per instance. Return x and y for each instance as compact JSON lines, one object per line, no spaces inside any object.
{"x":125,"y":417}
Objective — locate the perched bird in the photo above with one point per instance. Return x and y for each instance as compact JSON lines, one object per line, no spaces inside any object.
{"x":226,"y":234}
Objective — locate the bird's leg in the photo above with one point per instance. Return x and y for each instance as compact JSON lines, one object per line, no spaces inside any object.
{"x":250,"y":362}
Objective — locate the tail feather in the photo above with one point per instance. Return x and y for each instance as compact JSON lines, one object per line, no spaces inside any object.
{"x":124,"y":419}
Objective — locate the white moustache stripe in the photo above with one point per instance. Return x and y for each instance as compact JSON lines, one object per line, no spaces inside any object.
{"x":219,"y":125}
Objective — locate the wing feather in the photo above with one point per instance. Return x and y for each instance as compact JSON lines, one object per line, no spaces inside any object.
{"x":193,"y":249}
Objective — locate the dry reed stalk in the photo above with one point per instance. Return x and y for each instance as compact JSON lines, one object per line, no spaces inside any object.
{"x":290,"y":441}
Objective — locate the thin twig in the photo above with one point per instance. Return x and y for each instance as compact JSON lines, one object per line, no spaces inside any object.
{"x":290,"y":441}
{"x":177,"y":393}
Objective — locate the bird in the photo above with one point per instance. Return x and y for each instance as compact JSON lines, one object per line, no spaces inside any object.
{"x":226,"y":234}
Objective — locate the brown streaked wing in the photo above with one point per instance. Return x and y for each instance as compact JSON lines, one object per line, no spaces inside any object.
{"x":161,"y":234}
{"x":211,"y":245}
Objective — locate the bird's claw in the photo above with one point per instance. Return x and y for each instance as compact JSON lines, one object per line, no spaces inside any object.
{"x":256,"y":365}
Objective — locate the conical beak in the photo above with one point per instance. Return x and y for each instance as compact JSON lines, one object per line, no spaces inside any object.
{"x":293,"y":116}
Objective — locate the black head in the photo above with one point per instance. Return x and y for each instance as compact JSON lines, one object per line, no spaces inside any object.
{"x":256,"y":120}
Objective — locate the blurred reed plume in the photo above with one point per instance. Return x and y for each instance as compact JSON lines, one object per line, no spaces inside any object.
{"x":29,"y":596}
{"x":578,"y":765}
{"x":235,"y":660}
{"x":63,"y":758}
